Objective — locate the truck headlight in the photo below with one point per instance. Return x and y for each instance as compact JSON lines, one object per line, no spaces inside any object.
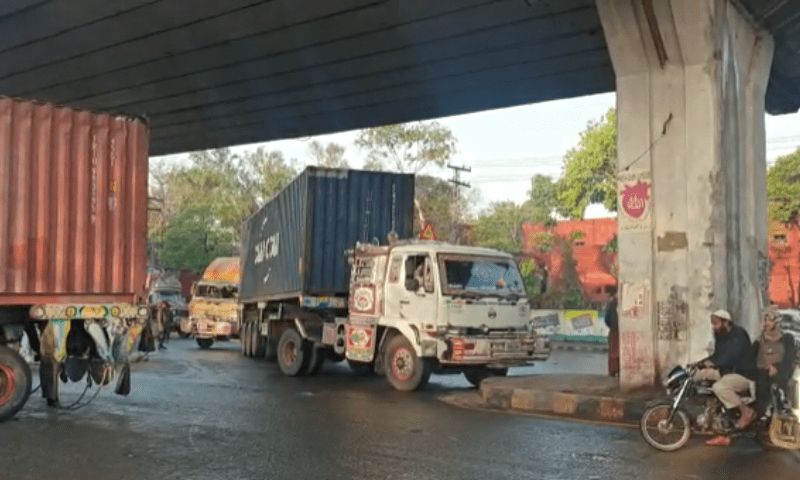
{"x":142,"y":312}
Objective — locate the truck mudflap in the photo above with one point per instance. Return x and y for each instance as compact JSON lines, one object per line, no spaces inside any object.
{"x":507,"y":349}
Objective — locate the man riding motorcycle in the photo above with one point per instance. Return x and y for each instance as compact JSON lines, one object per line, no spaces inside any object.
{"x":732,"y":369}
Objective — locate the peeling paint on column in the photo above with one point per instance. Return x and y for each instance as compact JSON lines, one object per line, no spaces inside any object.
{"x":671,"y":241}
{"x":673,"y":316}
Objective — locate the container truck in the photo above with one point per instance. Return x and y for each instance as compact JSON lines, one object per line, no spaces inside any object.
{"x":325,"y":276}
{"x":213,"y":310}
{"x":73,"y":226}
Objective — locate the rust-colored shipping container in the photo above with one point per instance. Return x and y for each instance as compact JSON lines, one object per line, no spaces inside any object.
{"x":73,"y":205}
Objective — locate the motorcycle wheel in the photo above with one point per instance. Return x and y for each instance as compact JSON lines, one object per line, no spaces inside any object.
{"x":659,"y":433}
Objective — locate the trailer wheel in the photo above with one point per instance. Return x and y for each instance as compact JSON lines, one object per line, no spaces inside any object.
{"x":405,"y":370}
{"x":260,"y":347}
{"x":316,"y":357}
{"x":292,"y":353}
{"x":205,"y":343}
{"x":15,"y":382}
{"x":243,"y":339}
{"x":477,"y":375}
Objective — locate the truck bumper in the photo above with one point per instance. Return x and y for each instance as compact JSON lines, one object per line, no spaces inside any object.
{"x":204,"y":328}
{"x":494,"y":350}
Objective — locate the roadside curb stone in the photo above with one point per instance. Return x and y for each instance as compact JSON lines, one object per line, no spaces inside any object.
{"x":585,"y":397}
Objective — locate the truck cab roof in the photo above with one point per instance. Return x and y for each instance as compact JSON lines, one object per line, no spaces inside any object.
{"x":417,"y":246}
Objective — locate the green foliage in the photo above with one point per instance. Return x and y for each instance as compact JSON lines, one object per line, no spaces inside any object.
{"x":590,"y":169}
{"x":329,"y":156}
{"x":193,"y":238}
{"x":783,"y":188}
{"x":531,"y":279}
{"x":225,"y":187}
{"x":501,"y":227}
{"x":436,"y":204}
{"x":542,"y":200}
{"x":408,"y":147}
{"x":543,"y":241}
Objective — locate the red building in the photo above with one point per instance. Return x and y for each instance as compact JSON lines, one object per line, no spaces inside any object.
{"x":784,"y":260}
{"x":596,"y":269}
{"x":595,"y":266}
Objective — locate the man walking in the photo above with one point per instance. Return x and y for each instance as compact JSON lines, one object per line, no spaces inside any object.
{"x":612,"y":322}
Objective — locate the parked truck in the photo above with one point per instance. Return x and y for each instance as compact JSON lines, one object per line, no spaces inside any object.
{"x":324,"y":276}
{"x":73,"y":226}
{"x":213,"y":310}
{"x":166,"y":287}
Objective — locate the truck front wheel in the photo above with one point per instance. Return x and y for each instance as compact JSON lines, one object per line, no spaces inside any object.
{"x":479,"y":374}
{"x":291,"y":353}
{"x":15,"y":382}
{"x":405,"y":370}
{"x":205,"y":343}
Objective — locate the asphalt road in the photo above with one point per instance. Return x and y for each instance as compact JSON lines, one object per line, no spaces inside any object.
{"x":216,"y":415}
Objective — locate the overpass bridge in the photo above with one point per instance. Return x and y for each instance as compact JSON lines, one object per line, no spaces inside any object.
{"x":693,"y":80}
{"x":211,"y":73}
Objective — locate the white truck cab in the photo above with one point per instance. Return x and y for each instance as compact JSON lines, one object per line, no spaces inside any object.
{"x":418,"y":307}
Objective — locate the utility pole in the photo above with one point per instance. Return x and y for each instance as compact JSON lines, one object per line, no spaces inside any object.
{"x":457,"y":183}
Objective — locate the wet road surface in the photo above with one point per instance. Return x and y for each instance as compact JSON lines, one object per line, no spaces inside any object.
{"x":217,"y":415}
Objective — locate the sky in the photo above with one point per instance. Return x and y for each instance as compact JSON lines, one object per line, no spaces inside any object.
{"x":506,"y":147}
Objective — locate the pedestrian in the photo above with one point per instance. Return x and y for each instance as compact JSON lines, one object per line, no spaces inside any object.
{"x":774,"y":352}
{"x":612,"y":322}
{"x":164,"y":320}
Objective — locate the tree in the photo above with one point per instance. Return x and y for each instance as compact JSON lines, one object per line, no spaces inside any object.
{"x":408,"y":147}
{"x":501,"y":227}
{"x":542,"y":201}
{"x":193,"y":239}
{"x":225,"y":187}
{"x":590,"y":169}
{"x":330,"y":155}
{"x":783,"y":189}
{"x":436,"y":204}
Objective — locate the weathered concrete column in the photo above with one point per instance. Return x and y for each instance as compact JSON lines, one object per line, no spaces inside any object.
{"x":691,"y":78}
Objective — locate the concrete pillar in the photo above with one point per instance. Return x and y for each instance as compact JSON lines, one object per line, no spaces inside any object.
{"x":691,"y":77}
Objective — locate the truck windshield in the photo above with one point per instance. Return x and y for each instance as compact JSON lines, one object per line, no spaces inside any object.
{"x":483,"y":276}
{"x":230,"y":292}
{"x":175,"y":298}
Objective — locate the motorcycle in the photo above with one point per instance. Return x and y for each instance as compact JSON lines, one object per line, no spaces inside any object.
{"x":692,"y":407}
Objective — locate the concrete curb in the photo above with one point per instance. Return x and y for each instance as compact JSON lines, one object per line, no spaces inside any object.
{"x":584,"y":406}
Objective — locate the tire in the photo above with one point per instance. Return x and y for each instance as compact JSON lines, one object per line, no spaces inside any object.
{"x":292,"y":353}
{"x":270,"y":348}
{"x":248,"y":340}
{"x":243,"y":340}
{"x":360,"y":368}
{"x":405,"y":371}
{"x":477,"y":375}
{"x":654,"y":420}
{"x":260,"y":346}
{"x":15,"y":382}
{"x":205,"y":343}
{"x":316,"y":358}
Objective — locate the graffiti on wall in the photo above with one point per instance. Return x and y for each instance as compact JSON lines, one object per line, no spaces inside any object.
{"x":673,"y":316}
{"x":635,"y":301}
{"x":636,"y":353}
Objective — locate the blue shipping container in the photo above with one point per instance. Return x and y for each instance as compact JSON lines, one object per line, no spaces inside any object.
{"x":295,"y":244}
